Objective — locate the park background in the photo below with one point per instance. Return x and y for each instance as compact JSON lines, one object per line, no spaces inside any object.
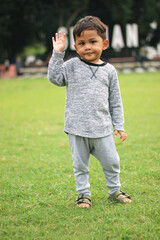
{"x":27,"y":27}
{"x":37,"y":198}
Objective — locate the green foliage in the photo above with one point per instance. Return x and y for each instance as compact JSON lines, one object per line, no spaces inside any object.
{"x":33,"y":50}
{"x":17,"y":25}
{"x":112,"y":11}
{"x":145,"y":12}
{"x":37,"y":183}
{"x":25,"y":22}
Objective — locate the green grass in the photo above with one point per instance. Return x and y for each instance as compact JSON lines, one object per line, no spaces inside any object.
{"x":37,"y":183}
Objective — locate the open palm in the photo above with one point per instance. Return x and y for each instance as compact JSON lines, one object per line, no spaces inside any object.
{"x":59,"y":42}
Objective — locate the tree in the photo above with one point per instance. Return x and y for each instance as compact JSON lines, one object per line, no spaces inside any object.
{"x":24,"y":22}
{"x":59,"y":13}
{"x":145,"y":12}
{"x":17,"y":26}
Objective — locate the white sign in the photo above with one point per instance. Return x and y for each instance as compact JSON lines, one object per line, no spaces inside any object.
{"x":117,"y":41}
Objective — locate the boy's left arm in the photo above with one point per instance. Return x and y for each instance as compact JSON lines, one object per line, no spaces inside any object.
{"x":115,"y":106}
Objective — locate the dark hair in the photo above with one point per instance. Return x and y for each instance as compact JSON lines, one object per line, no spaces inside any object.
{"x":89,"y":23}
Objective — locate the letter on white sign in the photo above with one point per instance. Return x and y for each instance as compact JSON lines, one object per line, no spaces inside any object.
{"x":132,"y":35}
{"x":117,"y":38}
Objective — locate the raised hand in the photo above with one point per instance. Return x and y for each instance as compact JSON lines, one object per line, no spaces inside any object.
{"x":59,"y":42}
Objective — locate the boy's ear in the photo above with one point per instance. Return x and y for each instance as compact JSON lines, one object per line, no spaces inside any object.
{"x":105,"y":44}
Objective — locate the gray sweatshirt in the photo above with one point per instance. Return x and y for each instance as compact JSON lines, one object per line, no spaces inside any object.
{"x":93,"y":99}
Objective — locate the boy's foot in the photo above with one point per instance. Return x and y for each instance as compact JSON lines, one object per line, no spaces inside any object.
{"x":84,"y":205}
{"x":84,"y":201}
{"x":125,"y":200}
{"x":120,"y":197}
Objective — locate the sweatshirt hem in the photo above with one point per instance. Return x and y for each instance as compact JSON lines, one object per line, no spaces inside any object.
{"x":88,"y":135}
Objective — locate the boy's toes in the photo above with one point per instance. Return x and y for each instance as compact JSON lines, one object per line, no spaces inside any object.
{"x":83,"y":205}
{"x":127,"y":200}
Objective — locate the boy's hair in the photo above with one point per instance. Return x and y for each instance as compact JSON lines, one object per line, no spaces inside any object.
{"x":89,"y":23}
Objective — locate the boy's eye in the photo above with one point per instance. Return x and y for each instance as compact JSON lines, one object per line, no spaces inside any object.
{"x":93,"y":41}
{"x":81,"y":43}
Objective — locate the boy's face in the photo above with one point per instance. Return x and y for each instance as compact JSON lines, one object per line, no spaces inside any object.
{"x":90,"y":45}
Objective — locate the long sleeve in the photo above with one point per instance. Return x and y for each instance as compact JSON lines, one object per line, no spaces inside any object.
{"x":56,"y":69}
{"x":115,"y":102}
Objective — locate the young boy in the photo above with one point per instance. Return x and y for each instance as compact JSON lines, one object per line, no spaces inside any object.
{"x":93,"y":106}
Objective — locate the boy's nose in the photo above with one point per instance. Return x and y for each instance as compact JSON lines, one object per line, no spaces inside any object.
{"x":87,"y":46}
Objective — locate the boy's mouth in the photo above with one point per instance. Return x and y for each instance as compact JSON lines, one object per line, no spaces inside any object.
{"x":88,"y":53}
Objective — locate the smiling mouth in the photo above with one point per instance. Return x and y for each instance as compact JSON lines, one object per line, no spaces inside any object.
{"x":90,"y":53}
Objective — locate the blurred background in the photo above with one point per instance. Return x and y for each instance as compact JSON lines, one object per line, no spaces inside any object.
{"x":27,"y":26}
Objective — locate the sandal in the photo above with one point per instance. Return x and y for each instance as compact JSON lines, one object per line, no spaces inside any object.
{"x":82,"y":198}
{"x":114,"y":197}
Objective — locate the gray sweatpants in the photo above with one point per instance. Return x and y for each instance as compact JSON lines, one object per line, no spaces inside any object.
{"x":104,"y":150}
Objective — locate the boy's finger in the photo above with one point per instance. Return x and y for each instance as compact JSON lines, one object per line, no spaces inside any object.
{"x":64,"y":36}
{"x":60,"y":35}
{"x":123,"y":138}
{"x":56,"y":36}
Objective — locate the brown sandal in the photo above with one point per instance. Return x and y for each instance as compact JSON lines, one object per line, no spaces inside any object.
{"x":114,"y":197}
{"x":82,"y":198}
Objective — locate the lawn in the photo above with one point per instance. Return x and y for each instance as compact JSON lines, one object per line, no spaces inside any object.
{"x":37,"y":183}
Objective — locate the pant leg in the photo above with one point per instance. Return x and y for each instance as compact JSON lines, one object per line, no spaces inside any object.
{"x":104,"y":150}
{"x":80,"y":154}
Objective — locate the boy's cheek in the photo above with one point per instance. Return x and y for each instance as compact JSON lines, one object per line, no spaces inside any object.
{"x":76,"y":48}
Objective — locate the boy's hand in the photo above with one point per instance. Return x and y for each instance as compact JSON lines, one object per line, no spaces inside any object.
{"x":123,"y":136}
{"x":59,"y":42}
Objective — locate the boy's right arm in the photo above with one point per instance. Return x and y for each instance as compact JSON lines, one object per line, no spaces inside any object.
{"x":56,"y":70}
